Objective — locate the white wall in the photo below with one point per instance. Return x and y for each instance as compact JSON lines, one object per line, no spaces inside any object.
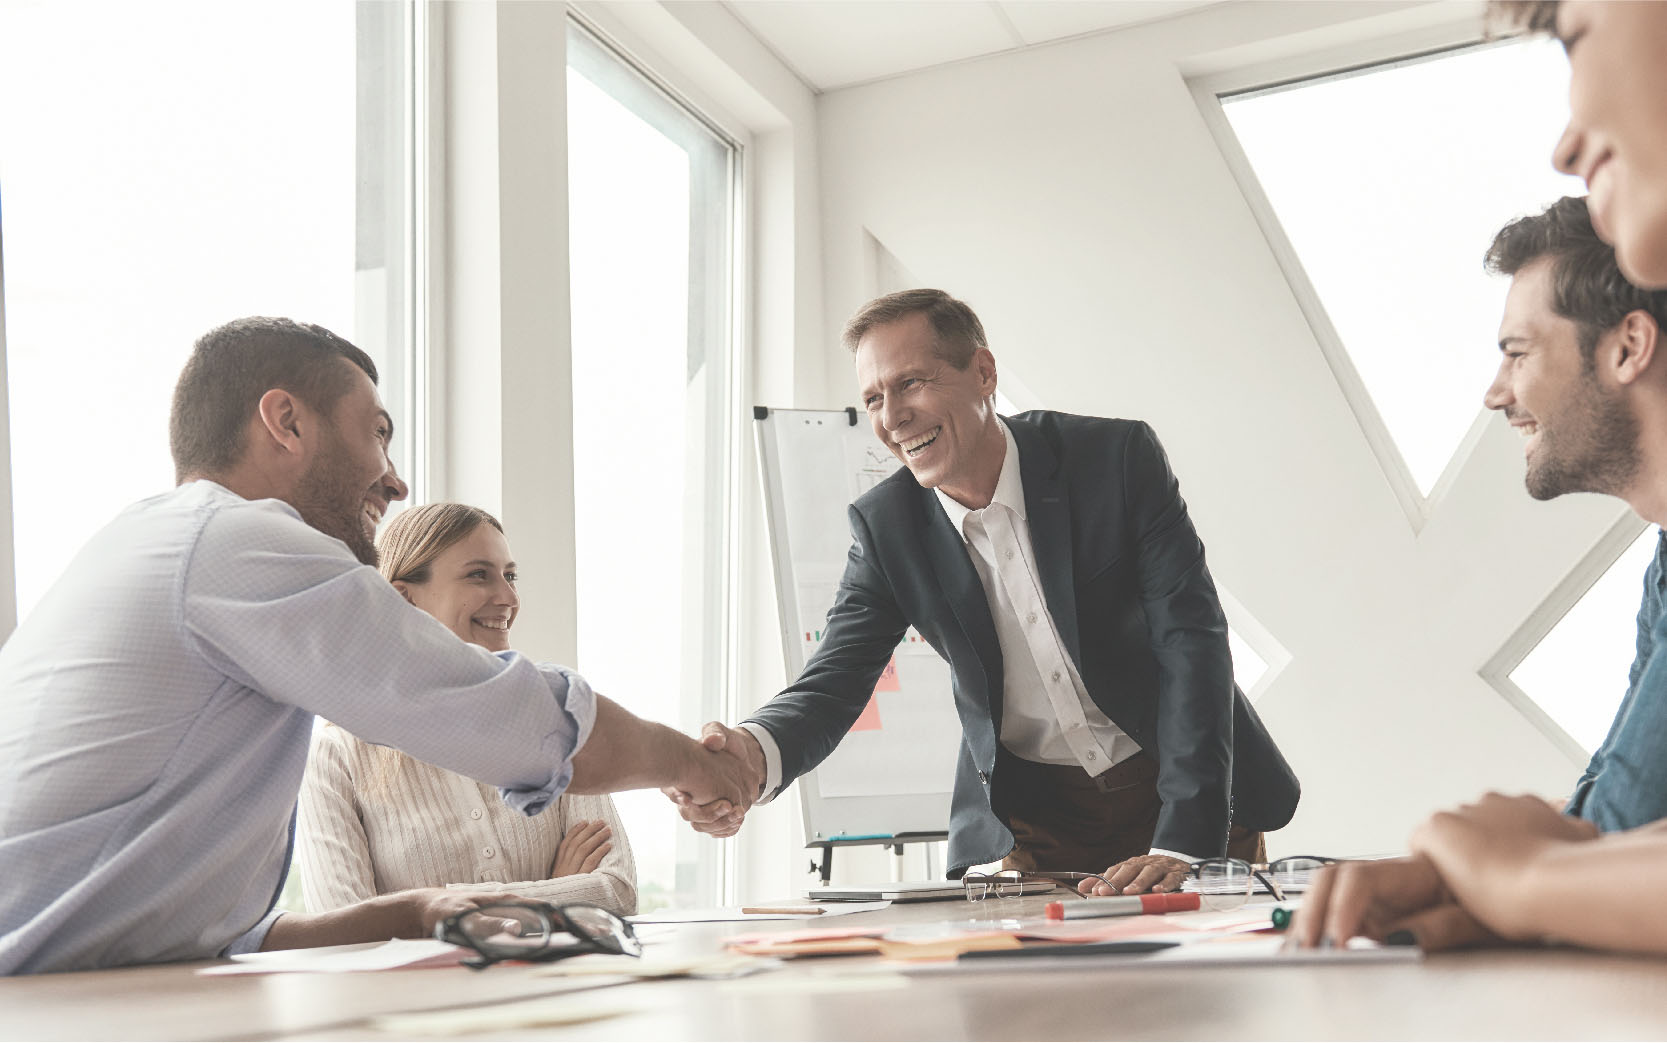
{"x":1075,"y":197}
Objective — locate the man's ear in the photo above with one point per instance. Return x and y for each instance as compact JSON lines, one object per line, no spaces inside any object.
{"x":404,"y":589}
{"x":1636,"y":339}
{"x":281,"y":416}
{"x":984,"y":364}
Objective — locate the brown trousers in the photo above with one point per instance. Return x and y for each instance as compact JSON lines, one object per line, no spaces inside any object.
{"x":1064,"y":821}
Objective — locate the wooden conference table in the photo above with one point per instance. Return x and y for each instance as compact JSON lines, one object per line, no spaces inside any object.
{"x":1484,"y":995}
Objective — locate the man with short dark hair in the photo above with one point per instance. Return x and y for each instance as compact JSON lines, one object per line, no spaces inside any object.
{"x":1049,"y":558}
{"x":1569,"y":304}
{"x":1583,"y":376}
{"x":1507,"y":867}
{"x":160,"y":698}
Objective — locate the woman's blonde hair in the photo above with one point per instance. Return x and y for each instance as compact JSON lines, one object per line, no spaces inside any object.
{"x":409,"y":544}
{"x":407,"y":547}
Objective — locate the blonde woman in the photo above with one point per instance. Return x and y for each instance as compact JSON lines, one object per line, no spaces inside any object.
{"x":374,"y":820}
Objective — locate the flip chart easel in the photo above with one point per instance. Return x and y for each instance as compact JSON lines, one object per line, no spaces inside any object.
{"x":889,"y":781}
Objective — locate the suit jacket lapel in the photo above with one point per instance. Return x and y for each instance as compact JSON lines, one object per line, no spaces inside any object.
{"x":951,"y":563}
{"x":1048,"y":511}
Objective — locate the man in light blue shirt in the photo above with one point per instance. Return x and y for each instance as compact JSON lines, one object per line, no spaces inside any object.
{"x":160,"y":699}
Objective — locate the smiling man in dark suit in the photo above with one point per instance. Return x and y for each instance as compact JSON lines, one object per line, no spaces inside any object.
{"x":1049,"y":558}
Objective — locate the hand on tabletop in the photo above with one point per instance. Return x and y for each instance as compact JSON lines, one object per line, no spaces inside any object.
{"x":1378,"y":899}
{"x":427,"y":906}
{"x":582,"y":849}
{"x":1486,"y":849}
{"x":1138,"y":875}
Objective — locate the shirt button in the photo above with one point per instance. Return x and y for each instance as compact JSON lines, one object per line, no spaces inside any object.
{"x":1031,"y":618}
{"x":1056,"y":676}
{"x":1092,"y":755}
{"x":1009,"y":555}
{"x":488,"y":852}
{"x":475,"y":813}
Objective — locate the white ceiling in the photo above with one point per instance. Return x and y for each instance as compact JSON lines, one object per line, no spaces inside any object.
{"x":839,"y":43}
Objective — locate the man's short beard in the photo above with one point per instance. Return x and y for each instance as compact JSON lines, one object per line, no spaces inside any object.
{"x":321,"y":497}
{"x":1600,"y":457}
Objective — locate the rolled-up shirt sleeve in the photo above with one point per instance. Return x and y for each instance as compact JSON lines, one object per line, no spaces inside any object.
{"x":288,"y":612}
{"x":255,"y":937}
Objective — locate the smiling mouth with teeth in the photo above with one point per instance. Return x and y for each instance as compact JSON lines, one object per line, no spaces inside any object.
{"x":916,"y":445}
{"x":1528,"y":429}
{"x":493,"y":624}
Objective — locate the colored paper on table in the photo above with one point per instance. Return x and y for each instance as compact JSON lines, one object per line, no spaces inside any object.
{"x":1105,"y":929}
{"x":814,"y":934}
{"x":869,"y":943}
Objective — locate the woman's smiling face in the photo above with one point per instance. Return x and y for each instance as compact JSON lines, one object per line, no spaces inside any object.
{"x":1617,"y":134}
{"x":471,"y":589}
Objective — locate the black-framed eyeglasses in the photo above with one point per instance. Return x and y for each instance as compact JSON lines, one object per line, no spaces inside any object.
{"x":537,"y":932}
{"x":1010,"y":883}
{"x":1226,"y":883}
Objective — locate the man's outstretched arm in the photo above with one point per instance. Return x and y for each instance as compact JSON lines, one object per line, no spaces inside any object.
{"x":625,"y":752}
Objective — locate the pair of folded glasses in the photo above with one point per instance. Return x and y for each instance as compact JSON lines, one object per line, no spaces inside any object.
{"x":537,"y":932}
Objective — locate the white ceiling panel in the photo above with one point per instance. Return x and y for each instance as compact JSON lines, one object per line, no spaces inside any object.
{"x":1039,"y":21}
{"x":836,"y":43}
{"x":839,"y":43}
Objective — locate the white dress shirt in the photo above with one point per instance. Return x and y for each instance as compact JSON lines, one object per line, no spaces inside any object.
{"x":159,"y":704}
{"x":1047,"y":715}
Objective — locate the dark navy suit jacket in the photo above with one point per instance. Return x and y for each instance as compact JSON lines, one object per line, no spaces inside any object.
{"x":1123,"y":575}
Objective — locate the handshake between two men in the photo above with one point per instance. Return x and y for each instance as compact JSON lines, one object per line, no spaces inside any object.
{"x":733,"y":754}
{"x":739,"y":755}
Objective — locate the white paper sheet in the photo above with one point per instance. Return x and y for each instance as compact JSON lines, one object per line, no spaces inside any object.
{"x":338,"y":959}
{"x":734,"y":912}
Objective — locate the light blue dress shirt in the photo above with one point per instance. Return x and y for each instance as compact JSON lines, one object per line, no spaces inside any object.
{"x":156,"y":709}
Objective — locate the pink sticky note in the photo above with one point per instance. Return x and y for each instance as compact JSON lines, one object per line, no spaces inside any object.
{"x":870,"y":719}
{"x":888,"y":678}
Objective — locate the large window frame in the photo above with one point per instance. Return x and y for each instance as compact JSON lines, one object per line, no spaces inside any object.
{"x":1460,"y":35}
{"x":1457,"y":33}
{"x":500,"y":346}
{"x":715,"y":300}
{"x":390,"y":233}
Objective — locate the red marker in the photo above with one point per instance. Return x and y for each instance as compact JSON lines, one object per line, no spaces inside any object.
{"x":1124,"y":905}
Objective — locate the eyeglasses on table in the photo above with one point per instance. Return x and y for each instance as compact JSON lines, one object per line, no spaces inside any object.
{"x":536,"y":932}
{"x":1226,"y":883}
{"x":1010,"y":883}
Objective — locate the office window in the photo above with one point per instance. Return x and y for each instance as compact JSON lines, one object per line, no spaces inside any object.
{"x":1578,"y":672}
{"x":1248,"y":666}
{"x":168,"y":166}
{"x":650,"y":219}
{"x":1389,"y":183}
